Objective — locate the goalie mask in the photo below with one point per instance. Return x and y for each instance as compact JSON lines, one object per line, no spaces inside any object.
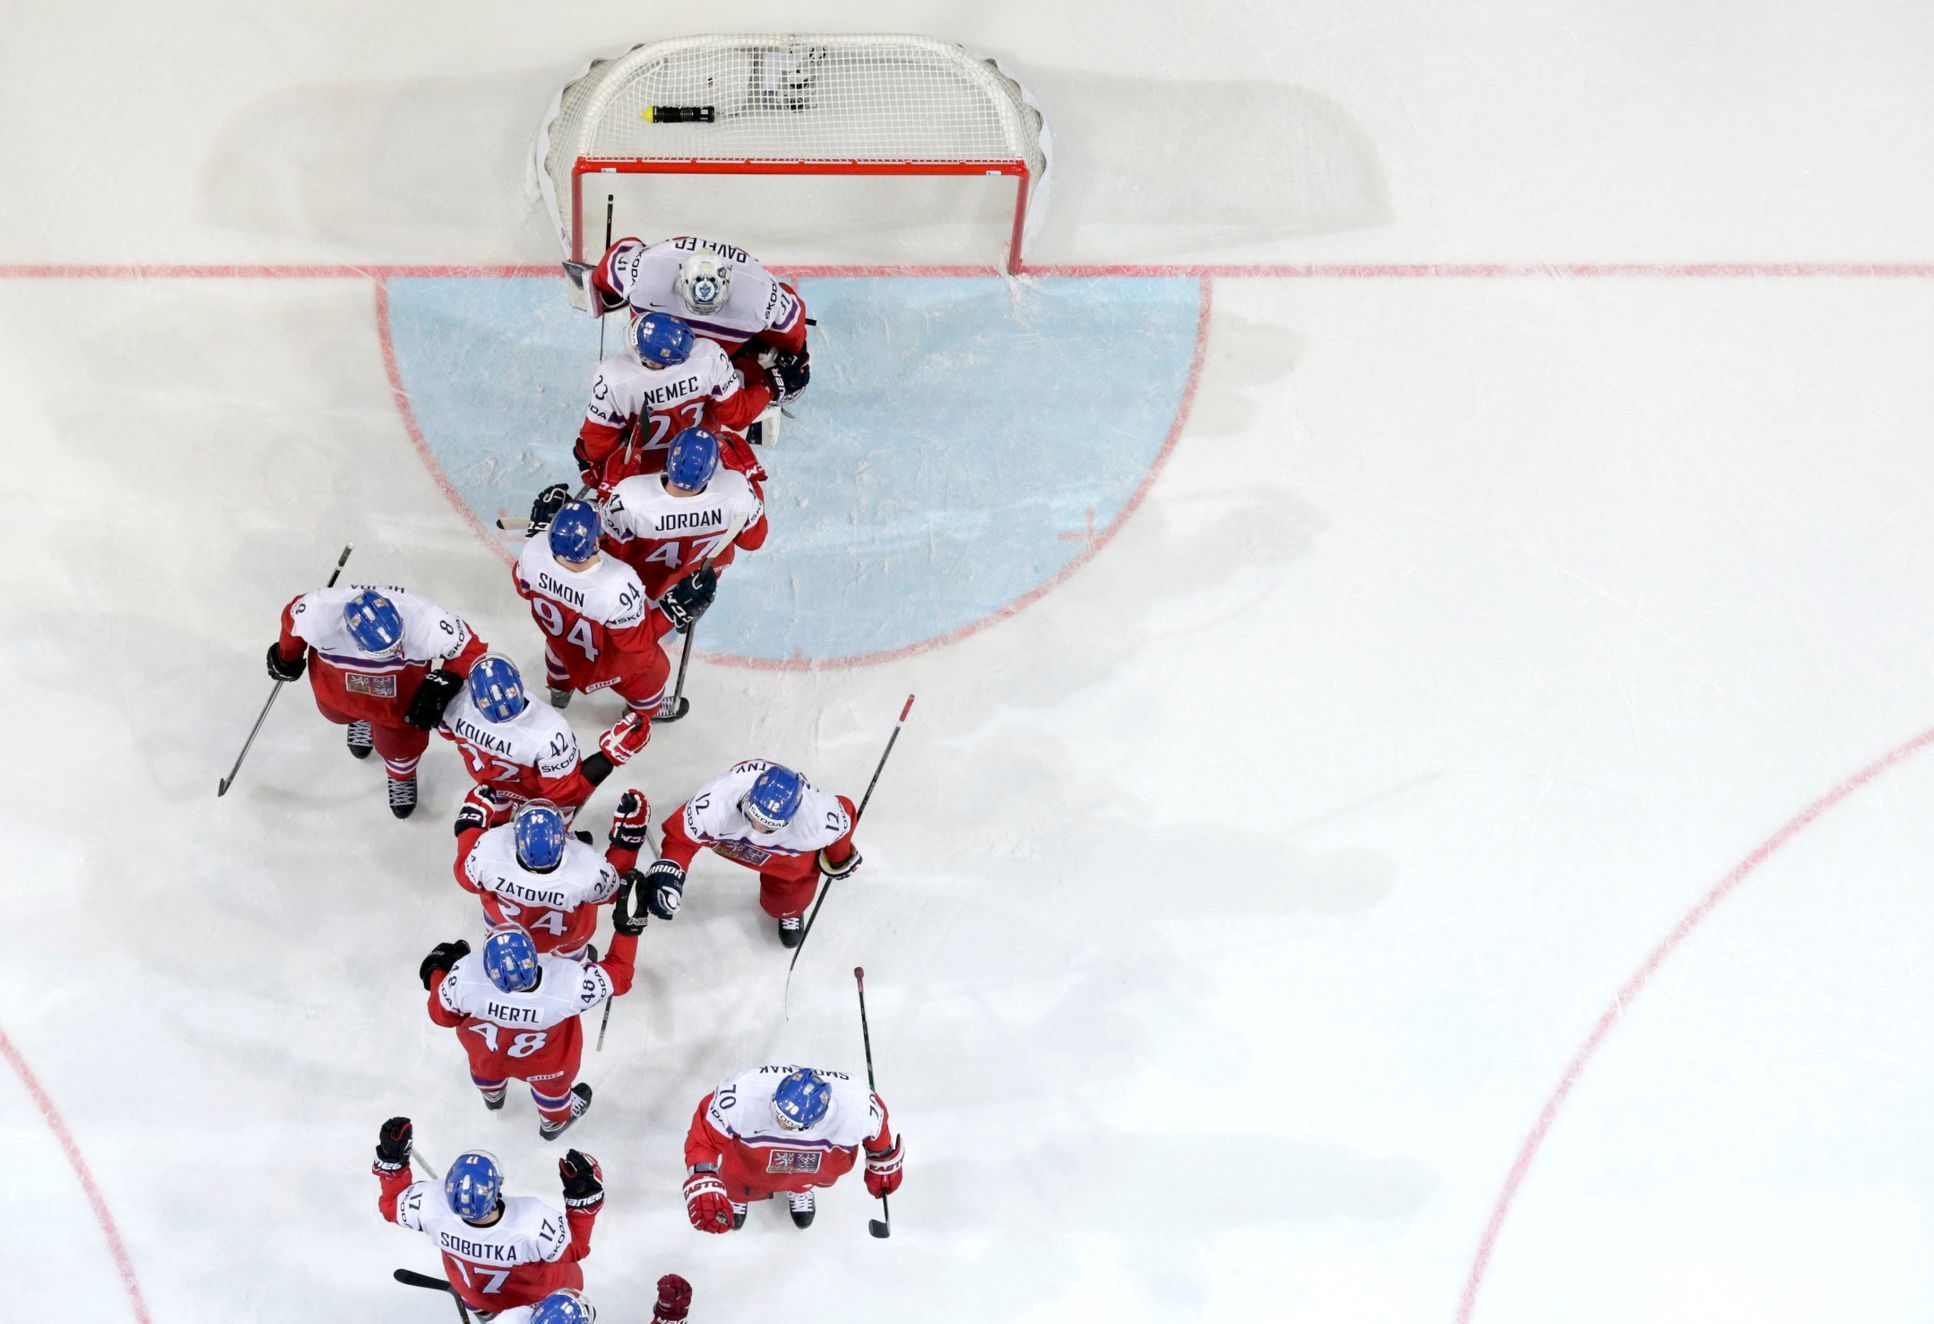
{"x":705,"y":283}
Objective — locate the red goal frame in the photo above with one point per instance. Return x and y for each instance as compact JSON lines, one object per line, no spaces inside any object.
{"x":594,"y":165}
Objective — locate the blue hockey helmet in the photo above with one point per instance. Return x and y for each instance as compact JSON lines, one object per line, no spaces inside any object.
{"x":496,"y":688}
{"x":473,"y":1185}
{"x":538,"y":830}
{"x":373,"y":622}
{"x":801,"y":1099}
{"x":565,"y":1307}
{"x":510,"y":959}
{"x":774,"y":798}
{"x":660,"y":340}
{"x":692,"y":459}
{"x":574,"y":531}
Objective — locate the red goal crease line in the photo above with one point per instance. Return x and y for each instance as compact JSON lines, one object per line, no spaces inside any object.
{"x":1049,"y":270}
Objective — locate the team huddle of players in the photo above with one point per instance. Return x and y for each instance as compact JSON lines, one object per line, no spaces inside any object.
{"x":671,"y":493}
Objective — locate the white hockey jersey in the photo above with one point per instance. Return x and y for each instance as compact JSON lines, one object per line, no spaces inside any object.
{"x":647,"y":277}
{"x":430,"y":634}
{"x":713,"y":817}
{"x":565,"y":988}
{"x":540,"y":903}
{"x":609,"y":592}
{"x":665,"y":535}
{"x":741,"y":1110}
{"x":530,"y":1232}
{"x":529,"y":756}
{"x":676,"y":397}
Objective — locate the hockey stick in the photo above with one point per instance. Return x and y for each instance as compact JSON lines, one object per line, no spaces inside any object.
{"x":881,"y":1227}
{"x":827,"y":887}
{"x":605,"y":1023}
{"x":678,"y":706}
{"x":424,"y":1164}
{"x":509,"y":523}
{"x":221,"y":787}
{"x":411,"y":1278}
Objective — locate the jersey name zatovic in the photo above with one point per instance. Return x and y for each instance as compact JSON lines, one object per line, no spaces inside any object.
{"x":559,"y":909}
{"x":519,"y":1259}
{"x":760,"y":307}
{"x":367,"y":688}
{"x":664,"y":537}
{"x":735,"y":1128}
{"x":713,"y":818}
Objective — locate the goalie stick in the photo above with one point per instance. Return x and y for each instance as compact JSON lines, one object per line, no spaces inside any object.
{"x":411,"y":1278}
{"x":221,"y":787}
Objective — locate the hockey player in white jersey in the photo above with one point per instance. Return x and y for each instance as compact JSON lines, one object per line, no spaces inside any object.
{"x":516,"y":1011}
{"x":722,"y":290}
{"x":784,"y":1129}
{"x":601,"y":623}
{"x":665,"y":525}
{"x":499,"y":1252}
{"x":667,"y":380}
{"x":516,"y":750}
{"x":384,"y":663}
{"x":765,"y":817}
{"x":531,"y":873}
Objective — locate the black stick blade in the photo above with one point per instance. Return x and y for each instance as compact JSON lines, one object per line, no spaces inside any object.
{"x":878,"y":1229}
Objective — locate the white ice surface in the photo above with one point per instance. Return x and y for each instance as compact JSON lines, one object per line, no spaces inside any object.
{"x":1232,"y":912}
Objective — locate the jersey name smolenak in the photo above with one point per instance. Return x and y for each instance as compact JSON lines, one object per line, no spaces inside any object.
{"x":552,"y":588}
{"x":477,"y":735}
{"x":477,"y":1250}
{"x":505,"y":1013}
{"x":690,"y":519}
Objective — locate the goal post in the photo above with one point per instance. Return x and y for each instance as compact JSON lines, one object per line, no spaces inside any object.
{"x":719,"y":110}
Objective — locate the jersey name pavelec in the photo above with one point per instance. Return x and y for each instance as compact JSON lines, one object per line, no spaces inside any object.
{"x":648,"y":279}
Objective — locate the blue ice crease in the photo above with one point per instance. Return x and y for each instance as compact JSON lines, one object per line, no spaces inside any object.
{"x":959,"y":438}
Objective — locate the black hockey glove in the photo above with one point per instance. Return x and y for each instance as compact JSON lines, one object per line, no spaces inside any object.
{"x":281,"y":668}
{"x":544,"y":509}
{"x":667,"y":883}
{"x":393,"y":1144}
{"x":432,"y":697}
{"x":583,"y":1180}
{"x":471,"y":817}
{"x":623,"y":919}
{"x":440,"y":960}
{"x":630,"y":821}
{"x":788,"y":376}
{"x":687,"y":600}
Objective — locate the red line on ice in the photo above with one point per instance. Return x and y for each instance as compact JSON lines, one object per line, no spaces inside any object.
{"x":1633,"y":986}
{"x":51,"y":1115}
{"x":402,"y":398}
{"x":1094,"y":544}
{"x":380,"y":271}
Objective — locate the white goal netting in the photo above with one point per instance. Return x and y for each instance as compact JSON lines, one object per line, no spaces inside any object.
{"x":767,"y":106}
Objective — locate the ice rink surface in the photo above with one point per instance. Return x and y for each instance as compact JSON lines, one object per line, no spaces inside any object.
{"x":1416,"y":808}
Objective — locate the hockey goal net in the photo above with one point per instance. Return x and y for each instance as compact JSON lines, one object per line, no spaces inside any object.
{"x":674,"y":135}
